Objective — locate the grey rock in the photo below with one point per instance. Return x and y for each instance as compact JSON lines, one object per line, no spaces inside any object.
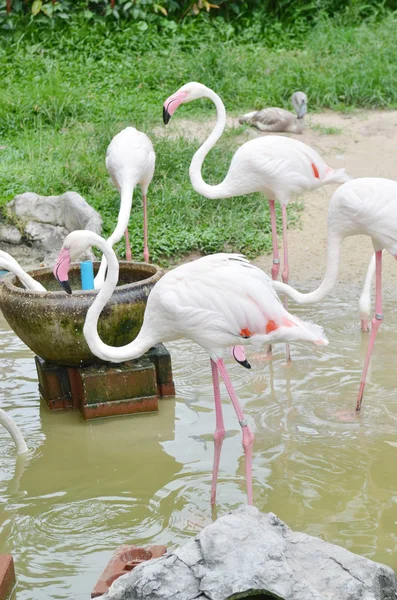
{"x":44,"y":222}
{"x":10,"y":234}
{"x":247,"y":552}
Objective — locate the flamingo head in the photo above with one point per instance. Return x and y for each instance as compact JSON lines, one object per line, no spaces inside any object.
{"x":299,"y":102}
{"x":188,"y":92}
{"x":74,"y":245}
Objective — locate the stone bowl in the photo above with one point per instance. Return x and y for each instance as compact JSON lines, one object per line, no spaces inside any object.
{"x":51,"y":323}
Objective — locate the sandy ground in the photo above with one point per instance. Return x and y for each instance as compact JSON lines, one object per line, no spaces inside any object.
{"x":365,"y":143}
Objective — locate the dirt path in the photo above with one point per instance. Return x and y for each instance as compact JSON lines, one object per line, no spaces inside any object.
{"x":365,"y":143}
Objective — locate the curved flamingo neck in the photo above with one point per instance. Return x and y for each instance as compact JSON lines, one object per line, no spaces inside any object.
{"x":25,"y":278}
{"x":330,"y":277}
{"x":126,"y":194}
{"x":14,"y":431}
{"x":197,"y":181}
{"x":134,"y":349}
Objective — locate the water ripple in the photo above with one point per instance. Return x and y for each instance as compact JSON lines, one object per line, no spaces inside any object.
{"x":88,"y":487}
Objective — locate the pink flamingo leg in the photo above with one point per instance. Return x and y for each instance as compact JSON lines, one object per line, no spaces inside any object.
{"x":248,"y":436}
{"x":376,"y":322}
{"x":145,"y":237}
{"x":128,"y":254}
{"x":285,"y":273}
{"x":276,"y":260}
{"x":219,"y":431}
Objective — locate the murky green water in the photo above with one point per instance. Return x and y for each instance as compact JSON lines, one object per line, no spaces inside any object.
{"x":89,"y":487}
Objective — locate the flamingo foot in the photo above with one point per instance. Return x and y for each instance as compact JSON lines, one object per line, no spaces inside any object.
{"x":346,"y":416}
{"x":364,"y":325}
{"x":146,"y":255}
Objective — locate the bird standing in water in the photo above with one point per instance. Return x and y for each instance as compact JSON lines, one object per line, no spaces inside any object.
{"x":365,"y":206}
{"x":217,"y":301}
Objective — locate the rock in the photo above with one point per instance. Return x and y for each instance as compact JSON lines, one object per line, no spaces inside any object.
{"x":247,"y":553}
{"x":10,"y":234}
{"x":44,"y":221}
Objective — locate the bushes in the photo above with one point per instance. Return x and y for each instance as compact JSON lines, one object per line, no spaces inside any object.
{"x":239,"y":12}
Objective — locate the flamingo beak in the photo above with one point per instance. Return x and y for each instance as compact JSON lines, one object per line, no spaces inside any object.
{"x":61,"y":269}
{"x":171,"y":104}
{"x":238,"y":354}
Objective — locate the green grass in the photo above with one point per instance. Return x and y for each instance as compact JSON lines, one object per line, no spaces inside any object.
{"x":65,"y":93}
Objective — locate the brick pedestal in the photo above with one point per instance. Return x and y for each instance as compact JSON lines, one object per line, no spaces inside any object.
{"x":7,"y":576}
{"x":105,"y":390}
{"x":124,"y":559}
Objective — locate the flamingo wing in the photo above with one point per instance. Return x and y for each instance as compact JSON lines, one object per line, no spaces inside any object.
{"x":221,"y":300}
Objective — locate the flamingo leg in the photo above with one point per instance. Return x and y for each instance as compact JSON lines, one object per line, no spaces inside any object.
{"x":128,"y":254}
{"x":285,"y":273}
{"x":248,"y":436}
{"x":376,"y":323}
{"x":219,"y":430}
{"x":145,"y":236}
{"x":276,"y":259}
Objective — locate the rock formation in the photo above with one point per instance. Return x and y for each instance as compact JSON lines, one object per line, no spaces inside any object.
{"x":247,"y":554}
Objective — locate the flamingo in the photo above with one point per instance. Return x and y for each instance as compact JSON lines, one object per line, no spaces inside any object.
{"x":10,"y":264}
{"x":275,"y":165}
{"x":278,"y":119}
{"x":215,"y":301}
{"x":130,"y":161}
{"x":362,"y":206}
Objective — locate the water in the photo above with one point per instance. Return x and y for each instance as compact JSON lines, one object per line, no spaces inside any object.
{"x":89,"y":487}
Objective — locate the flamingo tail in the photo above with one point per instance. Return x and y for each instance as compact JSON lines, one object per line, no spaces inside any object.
{"x":336,"y":176}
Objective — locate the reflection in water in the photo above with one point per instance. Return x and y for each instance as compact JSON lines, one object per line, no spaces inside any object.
{"x":88,"y":487}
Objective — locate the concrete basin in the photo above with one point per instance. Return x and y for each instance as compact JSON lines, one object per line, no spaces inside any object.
{"x":51,"y":323}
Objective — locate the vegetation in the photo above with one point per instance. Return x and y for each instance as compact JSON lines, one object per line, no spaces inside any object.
{"x":69,"y":83}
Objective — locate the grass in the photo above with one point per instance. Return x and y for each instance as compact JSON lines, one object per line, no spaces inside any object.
{"x":325,"y":130}
{"x":65,"y":94}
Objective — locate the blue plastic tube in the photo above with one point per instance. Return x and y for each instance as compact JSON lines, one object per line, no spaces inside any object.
{"x":87,"y":275}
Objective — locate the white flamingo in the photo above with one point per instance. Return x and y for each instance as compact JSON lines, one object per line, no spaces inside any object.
{"x":130,"y":160}
{"x":278,"y":166}
{"x":362,"y":206}
{"x":275,"y":165}
{"x":215,"y":301}
{"x":10,"y":264}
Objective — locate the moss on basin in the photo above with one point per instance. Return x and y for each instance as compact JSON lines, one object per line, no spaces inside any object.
{"x":51,"y":323}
